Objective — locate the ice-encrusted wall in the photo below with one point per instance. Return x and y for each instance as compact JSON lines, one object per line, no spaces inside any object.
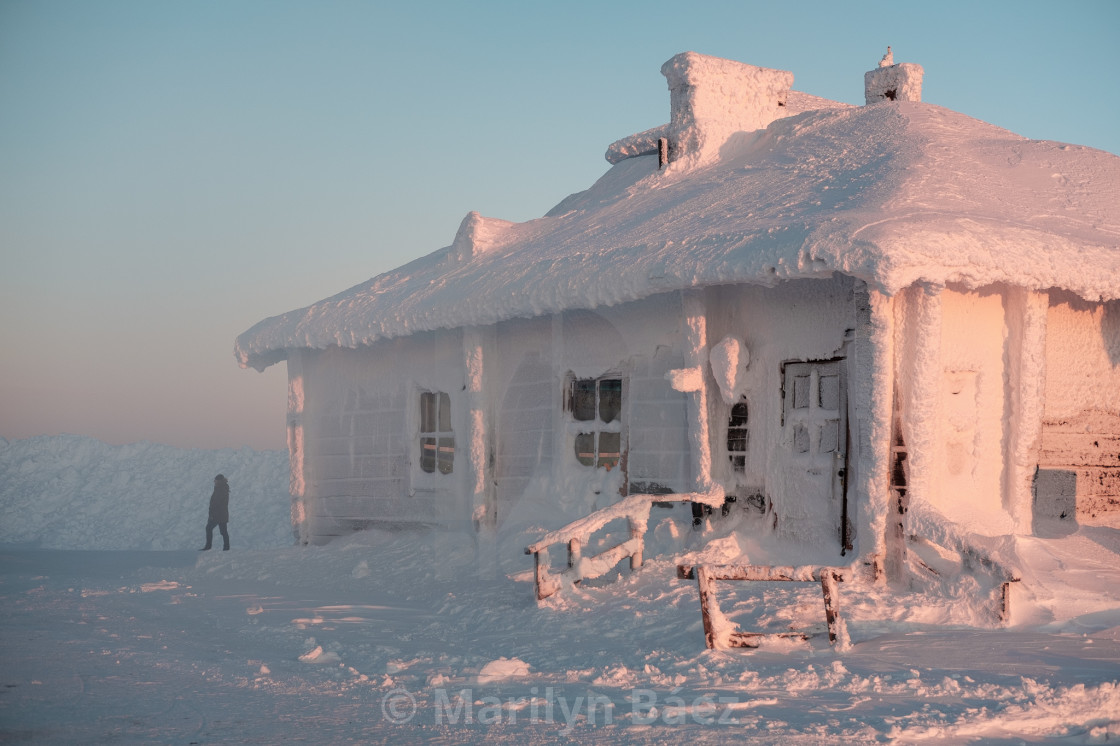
{"x":356,"y":457}
{"x":360,"y":430}
{"x":1082,"y":356}
{"x":638,"y":342}
{"x":1078,"y":478}
{"x":957,"y":372}
{"x":659,"y":456}
{"x":526,"y":401}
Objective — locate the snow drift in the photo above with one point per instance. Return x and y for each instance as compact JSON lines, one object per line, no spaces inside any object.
{"x":73,"y":492}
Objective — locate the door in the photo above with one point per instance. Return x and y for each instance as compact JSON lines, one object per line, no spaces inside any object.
{"x":812,"y":455}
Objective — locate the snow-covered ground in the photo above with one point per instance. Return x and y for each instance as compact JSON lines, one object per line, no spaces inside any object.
{"x":433,"y":636}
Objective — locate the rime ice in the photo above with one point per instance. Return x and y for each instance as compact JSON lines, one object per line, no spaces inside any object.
{"x":884,"y":331}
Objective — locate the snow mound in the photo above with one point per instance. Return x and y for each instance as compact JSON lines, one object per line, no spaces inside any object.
{"x":503,"y":668}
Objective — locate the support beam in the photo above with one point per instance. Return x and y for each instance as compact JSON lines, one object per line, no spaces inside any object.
{"x":1026,"y":313}
{"x":874,"y":394}
{"x":475,"y":344}
{"x":297,"y":476}
{"x":696,"y":358}
{"x":916,"y":419}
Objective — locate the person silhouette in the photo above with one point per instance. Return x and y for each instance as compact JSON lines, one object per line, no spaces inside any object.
{"x":219,"y":513}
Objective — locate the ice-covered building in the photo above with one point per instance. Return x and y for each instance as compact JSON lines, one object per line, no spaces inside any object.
{"x":856,"y":320}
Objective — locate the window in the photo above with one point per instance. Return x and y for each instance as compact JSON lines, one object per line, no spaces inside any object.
{"x":597,"y":401}
{"x":814,"y":409}
{"x":437,"y":443}
{"x":737,"y":438}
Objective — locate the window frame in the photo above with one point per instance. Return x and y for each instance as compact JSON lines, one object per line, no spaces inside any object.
{"x":586,"y":422}
{"x":737,"y":457}
{"x":435,"y":434}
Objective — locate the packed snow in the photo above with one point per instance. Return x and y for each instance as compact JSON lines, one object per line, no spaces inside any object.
{"x":416,"y":636}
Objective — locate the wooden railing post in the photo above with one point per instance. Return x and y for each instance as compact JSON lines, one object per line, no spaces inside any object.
{"x":541,"y":571}
{"x":708,"y":603}
{"x":575,"y":552}
{"x":831,"y":603}
{"x":1005,"y":601}
{"x":638,"y":535}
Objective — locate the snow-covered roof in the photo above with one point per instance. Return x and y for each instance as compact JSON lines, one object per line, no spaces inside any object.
{"x":892,"y":193}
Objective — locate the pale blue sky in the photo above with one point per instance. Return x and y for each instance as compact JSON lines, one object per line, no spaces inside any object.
{"x":173,"y":172}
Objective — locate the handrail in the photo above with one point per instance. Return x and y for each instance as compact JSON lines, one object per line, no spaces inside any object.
{"x":635,"y":509}
{"x":720,"y":632}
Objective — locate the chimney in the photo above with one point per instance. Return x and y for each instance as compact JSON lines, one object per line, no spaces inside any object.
{"x":476,"y":236}
{"x":712,"y":98}
{"x":891,"y":82}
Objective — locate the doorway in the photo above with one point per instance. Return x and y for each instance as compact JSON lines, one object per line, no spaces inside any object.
{"x":813,"y":451}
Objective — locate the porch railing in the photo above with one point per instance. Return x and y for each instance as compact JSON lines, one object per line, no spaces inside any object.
{"x":576,"y":535}
{"x":719,"y":632}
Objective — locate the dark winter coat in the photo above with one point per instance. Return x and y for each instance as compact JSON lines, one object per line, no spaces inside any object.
{"x":219,"y":501}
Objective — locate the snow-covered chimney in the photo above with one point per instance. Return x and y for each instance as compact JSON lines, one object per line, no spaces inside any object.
{"x":476,"y":235}
{"x":712,"y":98}
{"x":891,"y":82}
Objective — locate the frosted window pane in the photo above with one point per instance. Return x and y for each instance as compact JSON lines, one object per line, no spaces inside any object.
{"x":830,"y":436}
{"x":738,"y":415}
{"x":585,"y":448}
{"x":428,"y":454}
{"x":800,"y":439}
{"x":427,"y":413}
{"x":609,"y":449}
{"x":446,"y":456}
{"x":610,"y":399}
{"x":444,"y":413}
{"x":830,"y":392}
{"x":801,"y":392}
{"x":583,"y":400}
